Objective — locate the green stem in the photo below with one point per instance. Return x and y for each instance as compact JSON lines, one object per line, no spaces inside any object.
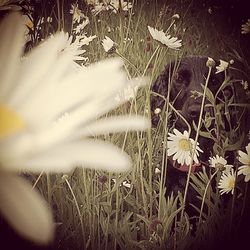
{"x":195,"y":141}
{"x":77,"y":206}
{"x":204,"y":196}
{"x":125,"y":59}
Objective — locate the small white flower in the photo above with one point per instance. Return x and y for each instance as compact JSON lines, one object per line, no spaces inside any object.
{"x":222,"y":67}
{"x":181,"y":147}
{"x":157,"y":171}
{"x":108,"y":44}
{"x":76,"y":12}
{"x":157,"y":111}
{"x":245,"y":28}
{"x":244,"y":84}
{"x":227,"y":182}
{"x":245,"y":159}
{"x":34,"y":94}
{"x":126,"y":184}
{"x":171,"y":42}
{"x":176,"y":16}
{"x":220,"y":163}
{"x":115,"y":5}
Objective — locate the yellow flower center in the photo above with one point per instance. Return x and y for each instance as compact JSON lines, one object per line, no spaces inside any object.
{"x":185,"y":145}
{"x":10,"y":121}
{"x":231,"y":183}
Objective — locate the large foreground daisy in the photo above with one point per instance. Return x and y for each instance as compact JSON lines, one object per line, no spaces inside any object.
{"x":46,"y":113}
{"x":181,"y":147}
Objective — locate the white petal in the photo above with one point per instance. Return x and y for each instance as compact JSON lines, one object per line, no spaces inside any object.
{"x":11,"y":45}
{"x":115,"y":124}
{"x":87,"y":153}
{"x":25,"y":210}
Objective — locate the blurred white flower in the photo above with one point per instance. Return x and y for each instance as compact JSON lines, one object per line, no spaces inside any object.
{"x":157,"y":111}
{"x":128,"y":93}
{"x":227,"y":182}
{"x":73,"y":49}
{"x":222,"y":67}
{"x":76,"y":12}
{"x":181,"y":147}
{"x":115,"y":5}
{"x":220,"y":163}
{"x":85,"y":40}
{"x":245,"y":159}
{"x":97,"y":7}
{"x":176,"y":16}
{"x":157,"y":171}
{"x":80,"y":27}
{"x":244,"y":84}
{"x":34,"y":94}
{"x":245,"y":28}
{"x":159,"y":35}
{"x":126,"y":184}
{"x":108,"y":45}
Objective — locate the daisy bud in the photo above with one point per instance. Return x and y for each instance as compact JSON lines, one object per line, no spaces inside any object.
{"x":210,"y":62}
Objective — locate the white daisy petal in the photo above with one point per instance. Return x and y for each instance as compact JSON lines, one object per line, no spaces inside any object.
{"x":12,"y":39}
{"x":115,"y":124}
{"x":86,"y":153}
{"x":25,"y":210}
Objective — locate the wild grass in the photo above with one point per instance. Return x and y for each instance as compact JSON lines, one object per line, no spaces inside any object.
{"x":102,"y":210}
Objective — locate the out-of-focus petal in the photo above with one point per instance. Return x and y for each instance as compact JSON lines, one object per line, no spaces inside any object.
{"x":25,"y":210}
{"x":86,"y":153}
{"x":115,"y":124}
{"x":11,"y":45}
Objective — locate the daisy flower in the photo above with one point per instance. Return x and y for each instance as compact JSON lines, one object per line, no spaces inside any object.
{"x":227,"y":182}
{"x":245,"y":28}
{"x":35,"y":136}
{"x":159,"y":35}
{"x":245,"y":159}
{"x":222,"y":67}
{"x":220,"y":163}
{"x":108,"y":45}
{"x":181,"y":147}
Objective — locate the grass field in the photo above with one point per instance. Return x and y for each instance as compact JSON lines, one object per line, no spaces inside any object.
{"x":96,"y":209}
